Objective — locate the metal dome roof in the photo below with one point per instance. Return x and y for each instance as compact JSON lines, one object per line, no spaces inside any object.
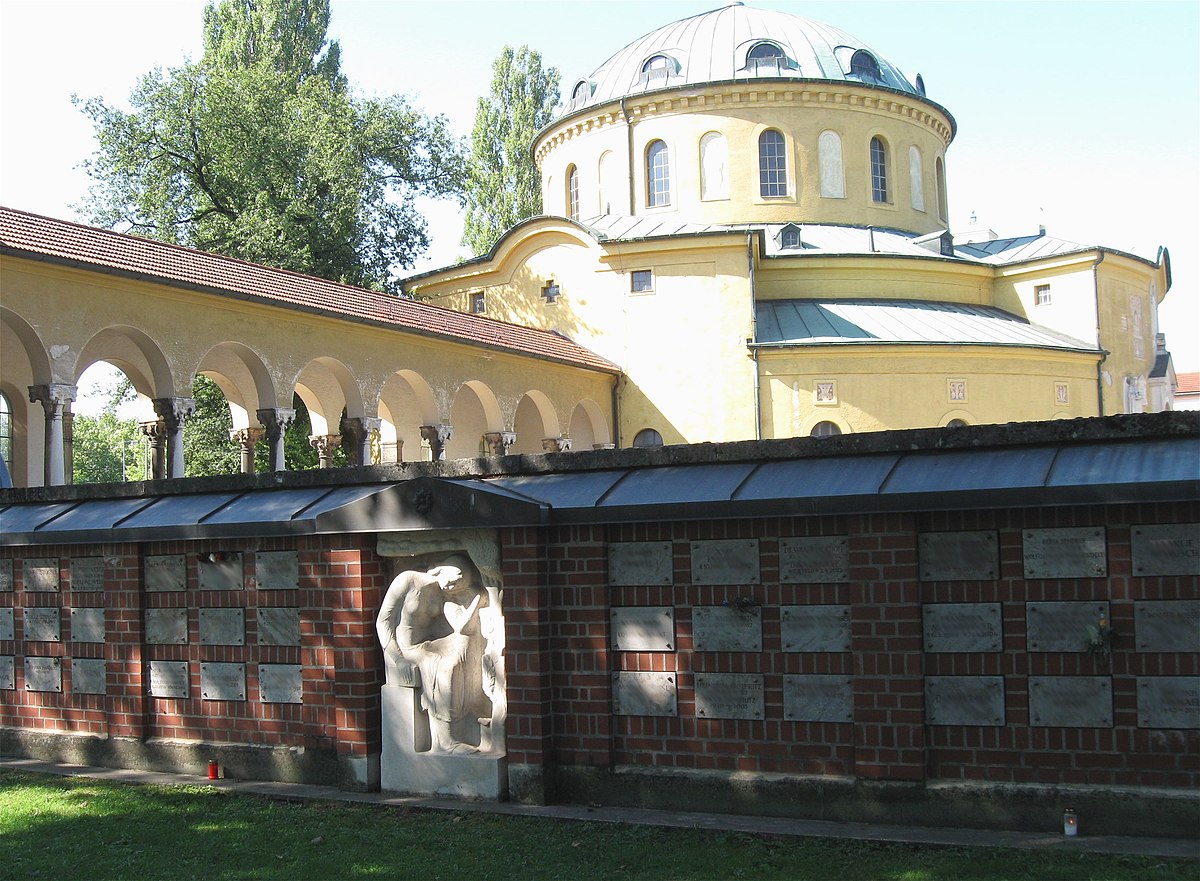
{"x":720,"y":45}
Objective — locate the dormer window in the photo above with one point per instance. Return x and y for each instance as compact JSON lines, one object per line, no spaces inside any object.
{"x":657,"y":67}
{"x":580,"y":94}
{"x":789,"y":238}
{"x":921,"y":85}
{"x":864,"y":66}
{"x":767,"y":59}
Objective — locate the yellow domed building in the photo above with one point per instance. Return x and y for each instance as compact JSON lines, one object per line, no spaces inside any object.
{"x":746,"y":211}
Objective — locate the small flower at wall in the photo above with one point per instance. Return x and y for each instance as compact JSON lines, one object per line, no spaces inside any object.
{"x":1098,"y":638}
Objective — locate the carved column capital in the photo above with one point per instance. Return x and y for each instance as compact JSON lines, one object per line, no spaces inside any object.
{"x":53,"y":396}
{"x":276,"y":421}
{"x":556,"y":444}
{"x":325,"y":444}
{"x":437,"y":435}
{"x":246,"y":438}
{"x":174,"y":411}
{"x":498,"y":442}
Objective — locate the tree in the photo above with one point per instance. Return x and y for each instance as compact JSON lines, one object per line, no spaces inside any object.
{"x":106,"y":448}
{"x":502,"y":186}
{"x":260,"y":152}
{"x":207,"y":447}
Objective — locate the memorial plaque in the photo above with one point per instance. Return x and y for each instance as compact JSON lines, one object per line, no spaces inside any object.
{"x":6,"y":575}
{"x":959,"y":556}
{"x":7,"y":630}
{"x":165,"y":573}
{"x":43,"y":625}
{"x":43,"y":674}
{"x":1168,"y":701}
{"x":168,"y":679}
{"x":40,"y":574}
{"x":818,"y":560}
{"x":1167,"y":625}
{"x":279,"y":627}
{"x":727,"y":629}
{"x":815,"y":628}
{"x":87,"y":574}
{"x":166,"y":626}
{"x":818,"y":698}
{"x":87,"y":625}
{"x":643,"y":628}
{"x":964,"y":700}
{"x":729,"y":696}
{"x":89,"y":676}
{"x":725,"y":561}
{"x":222,"y":572}
{"x":1166,"y":549}
{"x":1061,"y":627}
{"x":1070,"y":701}
{"x":277,"y":570}
{"x":222,"y":627}
{"x":640,"y":562}
{"x":8,"y":673}
{"x":1073,"y":552}
{"x":280,"y":684}
{"x":644,"y":694}
{"x":222,"y":682}
{"x":963,"y":627}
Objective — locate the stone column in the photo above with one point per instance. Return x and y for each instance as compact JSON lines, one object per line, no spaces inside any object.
{"x":498,"y":442}
{"x":69,"y":444}
{"x":325,"y":444}
{"x":437,"y":435}
{"x":157,"y":433}
{"x":275,"y":421}
{"x":173,"y":412}
{"x":246,"y":438}
{"x":556,"y":444}
{"x":356,"y":435}
{"x":54,"y":398}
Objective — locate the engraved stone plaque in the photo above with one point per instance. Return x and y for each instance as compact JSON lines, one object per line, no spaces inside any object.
{"x":166,"y":626}
{"x":1167,"y":625}
{"x":168,"y":679}
{"x":725,"y":561}
{"x":40,"y":574}
{"x":818,"y":698}
{"x":727,"y":629}
{"x":959,"y":556}
{"x":6,"y":575}
{"x":89,"y":676}
{"x":1166,"y":549}
{"x":222,"y":573}
{"x":87,"y":574}
{"x":223,"y":682}
{"x":43,"y":674}
{"x":643,"y":628}
{"x":43,"y":625}
{"x":964,"y":700}
{"x":644,"y":694}
{"x":279,"y":627}
{"x":1061,"y":627}
{"x":7,"y":631}
{"x":640,"y":562}
{"x":818,"y":560}
{"x":815,"y":628}
{"x":277,"y":570}
{"x":1168,"y":701}
{"x":963,"y":627}
{"x":280,"y":684}
{"x":8,"y":673}
{"x":1073,"y":552}
{"x":729,"y":696}
{"x":222,"y":627}
{"x":165,"y":573}
{"x":1070,"y":701}
{"x":87,"y":625}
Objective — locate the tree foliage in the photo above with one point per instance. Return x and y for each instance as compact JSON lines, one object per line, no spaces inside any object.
{"x":106,"y":448}
{"x":502,"y":185}
{"x":259,"y":151}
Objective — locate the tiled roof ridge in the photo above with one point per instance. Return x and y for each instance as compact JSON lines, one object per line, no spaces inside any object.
{"x":30,"y":233}
{"x":1187,"y":382}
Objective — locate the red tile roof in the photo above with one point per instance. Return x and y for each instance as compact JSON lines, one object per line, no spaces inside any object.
{"x":1187,"y":383}
{"x":32,"y":235}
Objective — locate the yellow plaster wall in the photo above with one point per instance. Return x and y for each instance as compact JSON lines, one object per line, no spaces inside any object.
{"x":884,"y":277}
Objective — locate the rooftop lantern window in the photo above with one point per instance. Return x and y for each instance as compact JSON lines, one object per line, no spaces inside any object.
{"x":864,"y":66}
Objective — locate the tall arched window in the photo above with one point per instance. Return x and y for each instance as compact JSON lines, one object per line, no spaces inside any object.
{"x":572,"y":192}
{"x":658,"y":175}
{"x":916,"y":180}
{"x":829,"y":153}
{"x":940,"y":173}
{"x":714,"y":166}
{"x":6,"y":433}
{"x":879,"y":170}
{"x":772,"y":164}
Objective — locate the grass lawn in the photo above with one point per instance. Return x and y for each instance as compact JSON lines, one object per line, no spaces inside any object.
{"x":68,"y":828}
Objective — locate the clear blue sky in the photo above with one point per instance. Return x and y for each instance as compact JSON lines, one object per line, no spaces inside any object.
{"x":1084,"y":116}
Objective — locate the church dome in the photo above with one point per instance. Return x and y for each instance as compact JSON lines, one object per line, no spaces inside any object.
{"x":736,"y":43}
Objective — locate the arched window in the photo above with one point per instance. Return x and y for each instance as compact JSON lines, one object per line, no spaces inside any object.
{"x":940,"y":173}
{"x":956,"y":423}
{"x":763,"y":51}
{"x":921,"y":85}
{"x":658,"y":175}
{"x":572,"y":192}
{"x":714,"y":166}
{"x":6,"y":433}
{"x":916,"y":180}
{"x":580,"y":94}
{"x":829,"y":152}
{"x":647,"y":437}
{"x":825,"y":429}
{"x":772,"y":164}
{"x":879,"y":170}
{"x":657,"y":67}
{"x":766,"y":58}
{"x":864,"y":66}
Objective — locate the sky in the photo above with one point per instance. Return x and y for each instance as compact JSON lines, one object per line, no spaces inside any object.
{"x":1083,"y":116}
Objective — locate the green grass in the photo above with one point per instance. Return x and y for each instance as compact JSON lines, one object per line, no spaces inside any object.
{"x":68,"y":828}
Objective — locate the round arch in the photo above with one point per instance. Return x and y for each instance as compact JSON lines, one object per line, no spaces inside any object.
{"x":327,"y":387}
{"x":27,"y":342}
{"x":964,"y":416}
{"x":814,"y":419}
{"x":474,"y":413}
{"x":588,"y":428}
{"x":136,"y":355}
{"x":406,"y":403}
{"x":243,"y":378}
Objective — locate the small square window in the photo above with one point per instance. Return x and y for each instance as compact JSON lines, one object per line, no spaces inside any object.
{"x":478,"y":303}
{"x":641,"y":281}
{"x":551,"y":291}
{"x":1041,"y":295}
